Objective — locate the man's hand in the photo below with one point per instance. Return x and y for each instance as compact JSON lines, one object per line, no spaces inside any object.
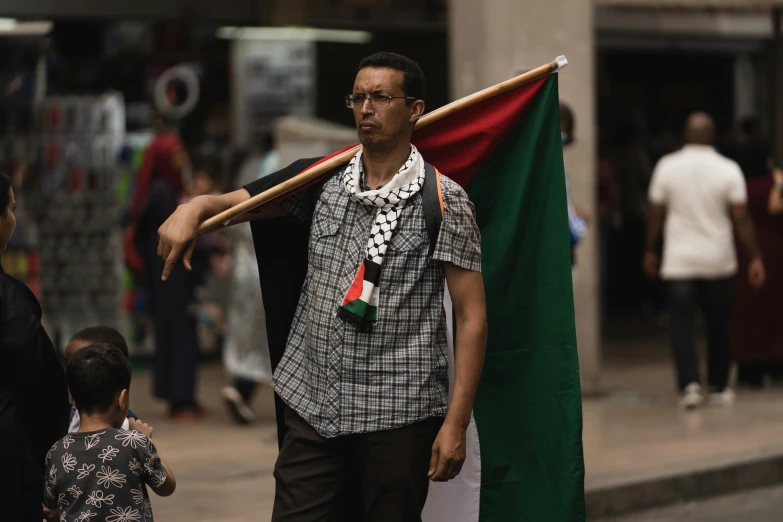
{"x":142,"y":427}
{"x":651,"y":264}
{"x":756,"y":273}
{"x":448,"y":452}
{"x":177,"y":237}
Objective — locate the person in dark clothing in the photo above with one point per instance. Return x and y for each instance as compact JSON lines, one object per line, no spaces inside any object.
{"x":33,"y":395}
{"x":753,"y":154}
{"x":176,"y":345}
{"x":159,"y":190}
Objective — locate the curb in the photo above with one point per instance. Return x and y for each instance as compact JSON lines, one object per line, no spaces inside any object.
{"x":626,"y":498}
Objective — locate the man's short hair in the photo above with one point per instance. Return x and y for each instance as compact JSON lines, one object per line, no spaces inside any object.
{"x":95,"y":375}
{"x":413,"y":83}
{"x":103,"y":335}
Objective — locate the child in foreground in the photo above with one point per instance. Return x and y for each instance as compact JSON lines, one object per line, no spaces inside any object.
{"x":87,"y":337}
{"x":101,"y":472}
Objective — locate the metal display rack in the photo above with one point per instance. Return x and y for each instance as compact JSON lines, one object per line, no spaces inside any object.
{"x":80,"y":238}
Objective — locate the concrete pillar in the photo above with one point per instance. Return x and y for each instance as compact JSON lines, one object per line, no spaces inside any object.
{"x":777,"y":87}
{"x":745,"y":89}
{"x":492,"y":40}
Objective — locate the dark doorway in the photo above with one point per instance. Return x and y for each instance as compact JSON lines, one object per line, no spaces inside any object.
{"x":644,"y":97}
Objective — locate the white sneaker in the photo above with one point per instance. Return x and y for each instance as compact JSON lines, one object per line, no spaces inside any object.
{"x":724,"y":398}
{"x":239,"y":409}
{"x":691,"y":397}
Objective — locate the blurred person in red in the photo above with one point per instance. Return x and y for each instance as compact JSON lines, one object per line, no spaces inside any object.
{"x":34,"y":405}
{"x":757,"y":338}
{"x":699,"y":194}
{"x":159,"y":188}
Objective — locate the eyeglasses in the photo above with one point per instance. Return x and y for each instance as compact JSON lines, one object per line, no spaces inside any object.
{"x":377,"y":101}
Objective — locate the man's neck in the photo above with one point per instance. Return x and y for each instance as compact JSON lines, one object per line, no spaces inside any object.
{"x":381,"y":166}
{"x":94,"y":422}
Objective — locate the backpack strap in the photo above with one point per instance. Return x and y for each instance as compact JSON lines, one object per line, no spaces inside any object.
{"x":432,"y":204}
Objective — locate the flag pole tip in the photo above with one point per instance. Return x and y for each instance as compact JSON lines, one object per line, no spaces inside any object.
{"x":561,"y":62}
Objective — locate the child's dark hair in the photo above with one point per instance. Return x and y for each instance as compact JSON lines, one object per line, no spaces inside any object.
{"x":95,"y":375}
{"x":103,"y":335}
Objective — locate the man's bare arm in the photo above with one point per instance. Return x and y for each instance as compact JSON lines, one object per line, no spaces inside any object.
{"x":170,"y":485}
{"x":655,"y":219}
{"x":657,"y":213}
{"x":744,"y":227}
{"x":467,"y":293}
{"x":177,"y":236}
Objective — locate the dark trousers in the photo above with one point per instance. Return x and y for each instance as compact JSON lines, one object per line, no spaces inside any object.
{"x":372,"y":477}
{"x":245,"y":387}
{"x":176,"y":345}
{"x":714,"y":298}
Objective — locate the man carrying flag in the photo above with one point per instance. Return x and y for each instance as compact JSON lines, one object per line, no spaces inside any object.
{"x":364,"y":376}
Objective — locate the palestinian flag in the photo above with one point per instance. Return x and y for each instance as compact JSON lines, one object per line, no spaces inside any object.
{"x":524,"y":450}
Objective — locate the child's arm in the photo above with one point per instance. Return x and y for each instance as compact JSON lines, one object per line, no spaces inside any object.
{"x":157,"y":474}
{"x":50,"y":507}
{"x":134,"y":423}
{"x":48,"y":514}
{"x":168,"y":487}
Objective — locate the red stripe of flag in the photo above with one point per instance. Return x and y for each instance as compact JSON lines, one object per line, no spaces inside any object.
{"x":458,"y":144}
{"x":355,"y":291}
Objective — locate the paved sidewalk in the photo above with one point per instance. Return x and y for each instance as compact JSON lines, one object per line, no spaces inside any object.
{"x":636,"y":432}
{"x":632,"y":434}
{"x":761,"y":505}
{"x":641,"y":450}
{"x":224,"y":471}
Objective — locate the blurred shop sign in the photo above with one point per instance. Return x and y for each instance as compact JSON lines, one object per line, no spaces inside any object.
{"x":270,"y":80}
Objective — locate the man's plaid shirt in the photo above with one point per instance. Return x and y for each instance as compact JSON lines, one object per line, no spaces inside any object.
{"x":341,"y":380}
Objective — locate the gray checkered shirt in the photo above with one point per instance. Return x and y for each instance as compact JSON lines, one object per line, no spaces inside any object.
{"x":341,"y":380}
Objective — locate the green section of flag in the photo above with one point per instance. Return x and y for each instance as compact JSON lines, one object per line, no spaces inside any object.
{"x":362,"y":309}
{"x":529,"y":415}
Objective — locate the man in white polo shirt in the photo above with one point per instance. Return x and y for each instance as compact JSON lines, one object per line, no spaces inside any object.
{"x":700,"y":193}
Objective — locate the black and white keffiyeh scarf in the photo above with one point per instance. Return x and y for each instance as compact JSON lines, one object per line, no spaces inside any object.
{"x":360,"y":305}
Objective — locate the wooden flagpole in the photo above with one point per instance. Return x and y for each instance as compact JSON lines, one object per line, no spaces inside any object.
{"x":225,"y":218}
